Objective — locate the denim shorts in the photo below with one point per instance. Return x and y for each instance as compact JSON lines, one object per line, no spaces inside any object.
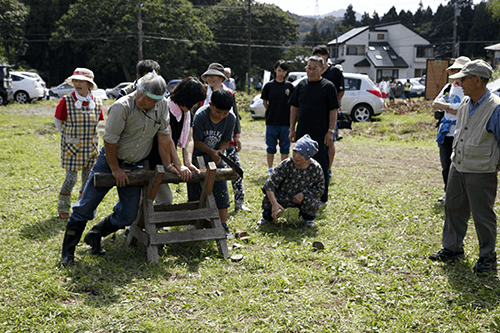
{"x":275,"y":134}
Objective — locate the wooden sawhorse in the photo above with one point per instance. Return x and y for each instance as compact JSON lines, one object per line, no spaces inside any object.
{"x":152,"y":217}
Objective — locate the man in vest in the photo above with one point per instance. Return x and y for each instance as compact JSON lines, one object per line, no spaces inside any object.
{"x":472,"y":182}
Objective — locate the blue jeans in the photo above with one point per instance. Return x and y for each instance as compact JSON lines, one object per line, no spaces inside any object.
{"x":125,"y":210}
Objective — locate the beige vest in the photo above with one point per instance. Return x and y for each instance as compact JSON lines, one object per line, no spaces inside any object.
{"x":475,"y":150}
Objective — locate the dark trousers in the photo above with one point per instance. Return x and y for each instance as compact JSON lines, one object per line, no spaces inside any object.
{"x":323,"y":159}
{"x":445,"y":151}
{"x":470,"y":193}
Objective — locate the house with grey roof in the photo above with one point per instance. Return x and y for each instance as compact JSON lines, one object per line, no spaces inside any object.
{"x":386,"y":50}
{"x":494,"y":54}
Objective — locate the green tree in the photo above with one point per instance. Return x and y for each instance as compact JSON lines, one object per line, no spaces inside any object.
{"x":313,"y":37}
{"x":391,"y":16}
{"x":494,"y":8}
{"x":273,"y":30}
{"x":40,"y":25}
{"x":484,"y":28}
{"x":13,"y":15}
{"x":102,"y":34}
{"x":349,"y":17}
{"x":365,"y":19}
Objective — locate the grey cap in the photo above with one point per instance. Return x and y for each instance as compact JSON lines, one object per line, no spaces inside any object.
{"x":475,"y":67}
{"x":459,"y":63}
{"x":215,"y":69}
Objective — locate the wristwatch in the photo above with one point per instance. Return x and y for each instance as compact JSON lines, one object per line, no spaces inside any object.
{"x":331,"y":130}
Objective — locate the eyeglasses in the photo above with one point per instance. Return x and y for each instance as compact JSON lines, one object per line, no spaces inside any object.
{"x":463,"y":79}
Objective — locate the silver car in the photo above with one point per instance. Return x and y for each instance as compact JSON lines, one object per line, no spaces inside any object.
{"x":362,"y":99}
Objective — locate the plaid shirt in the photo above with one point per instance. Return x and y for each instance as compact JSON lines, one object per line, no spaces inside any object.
{"x":79,"y":137}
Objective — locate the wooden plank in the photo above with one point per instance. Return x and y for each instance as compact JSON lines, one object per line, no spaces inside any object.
{"x":155,"y":182}
{"x":141,"y":177}
{"x":152,"y":250}
{"x":187,"y":236}
{"x":204,"y":213}
{"x":138,"y":234}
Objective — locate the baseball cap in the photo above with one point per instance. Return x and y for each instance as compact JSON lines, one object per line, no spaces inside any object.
{"x":475,"y":67}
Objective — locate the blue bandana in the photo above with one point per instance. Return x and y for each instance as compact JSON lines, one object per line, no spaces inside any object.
{"x":306,"y":146}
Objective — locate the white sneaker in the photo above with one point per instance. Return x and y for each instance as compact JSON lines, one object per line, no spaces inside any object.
{"x":309,"y":224}
{"x":270,"y":171}
{"x":443,"y":198}
{"x":262,"y":221}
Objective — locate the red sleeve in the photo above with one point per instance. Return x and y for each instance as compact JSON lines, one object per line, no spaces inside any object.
{"x":101,"y":117}
{"x":61,"y":110}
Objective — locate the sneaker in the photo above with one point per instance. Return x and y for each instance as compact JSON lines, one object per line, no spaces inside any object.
{"x":485,"y":264}
{"x":226,"y":229}
{"x":309,"y":224}
{"x":441,"y":199}
{"x":270,"y":171}
{"x":446,"y":255}
{"x":263,"y":221}
{"x":242,"y":207}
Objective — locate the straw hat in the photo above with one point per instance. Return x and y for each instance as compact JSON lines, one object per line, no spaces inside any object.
{"x":82,"y":74}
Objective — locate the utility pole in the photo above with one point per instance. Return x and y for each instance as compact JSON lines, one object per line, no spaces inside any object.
{"x":139,"y":33}
{"x":456,"y":50}
{"x":249,"y":55}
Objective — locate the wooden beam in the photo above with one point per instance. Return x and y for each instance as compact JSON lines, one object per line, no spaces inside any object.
{"x":141,"y":177}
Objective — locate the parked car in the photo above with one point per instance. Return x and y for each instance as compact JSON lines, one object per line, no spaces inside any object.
{"x":293,"y":76}
{"x":26,"y":89}
{"x":417,"y":90}
{"x":64,"y":89}
{"x":362,"y":99}
{"x":494,"y":87}
{"x":6,"y":92}
{"x":172,"y":84}
{"x":36,"y":77}
{"x":112,"y":93}
{"x":60,"y":90}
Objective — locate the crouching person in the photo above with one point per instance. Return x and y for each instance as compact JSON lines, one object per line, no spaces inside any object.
{"x":298,"y":181}
{"x":130,"y":128}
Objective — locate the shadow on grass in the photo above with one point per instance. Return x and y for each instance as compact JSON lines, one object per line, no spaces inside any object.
{"x":44,"y":230}
{"x":475,"y":290}
{"x":106,"y":279}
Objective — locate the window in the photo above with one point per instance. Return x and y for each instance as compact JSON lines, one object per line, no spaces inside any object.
{"x":334,"y":51}
{"x":355,"y":49}
{"x":378,"y":56}
{"x":380,"y":36}
{"x":419,"y":72}
{"x":425,"y":52}
{"x":395,"y":73}
{"x":352,"y":50}
{"x":371,"y":48}
{"x":352,"y":84}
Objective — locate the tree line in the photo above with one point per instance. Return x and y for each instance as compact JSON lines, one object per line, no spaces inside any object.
{"x":56,"y":36}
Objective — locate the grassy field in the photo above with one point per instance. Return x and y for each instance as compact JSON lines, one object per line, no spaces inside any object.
{"x":381,"y":222}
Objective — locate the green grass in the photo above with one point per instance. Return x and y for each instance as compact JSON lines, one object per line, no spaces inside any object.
{"x":381,"y":222}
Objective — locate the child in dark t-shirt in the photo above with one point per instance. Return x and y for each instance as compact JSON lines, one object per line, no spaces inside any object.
{"x":275,"y":97}
{"x":213,"y":127}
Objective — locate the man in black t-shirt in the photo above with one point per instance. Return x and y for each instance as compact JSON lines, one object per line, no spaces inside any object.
{"x":334,"y":75}
{"x":275,"y":97}
{"x":314,"y":104}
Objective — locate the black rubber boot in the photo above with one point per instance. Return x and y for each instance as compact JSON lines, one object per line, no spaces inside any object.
{"x":101,"y":229}
{"x":71,"y":239}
